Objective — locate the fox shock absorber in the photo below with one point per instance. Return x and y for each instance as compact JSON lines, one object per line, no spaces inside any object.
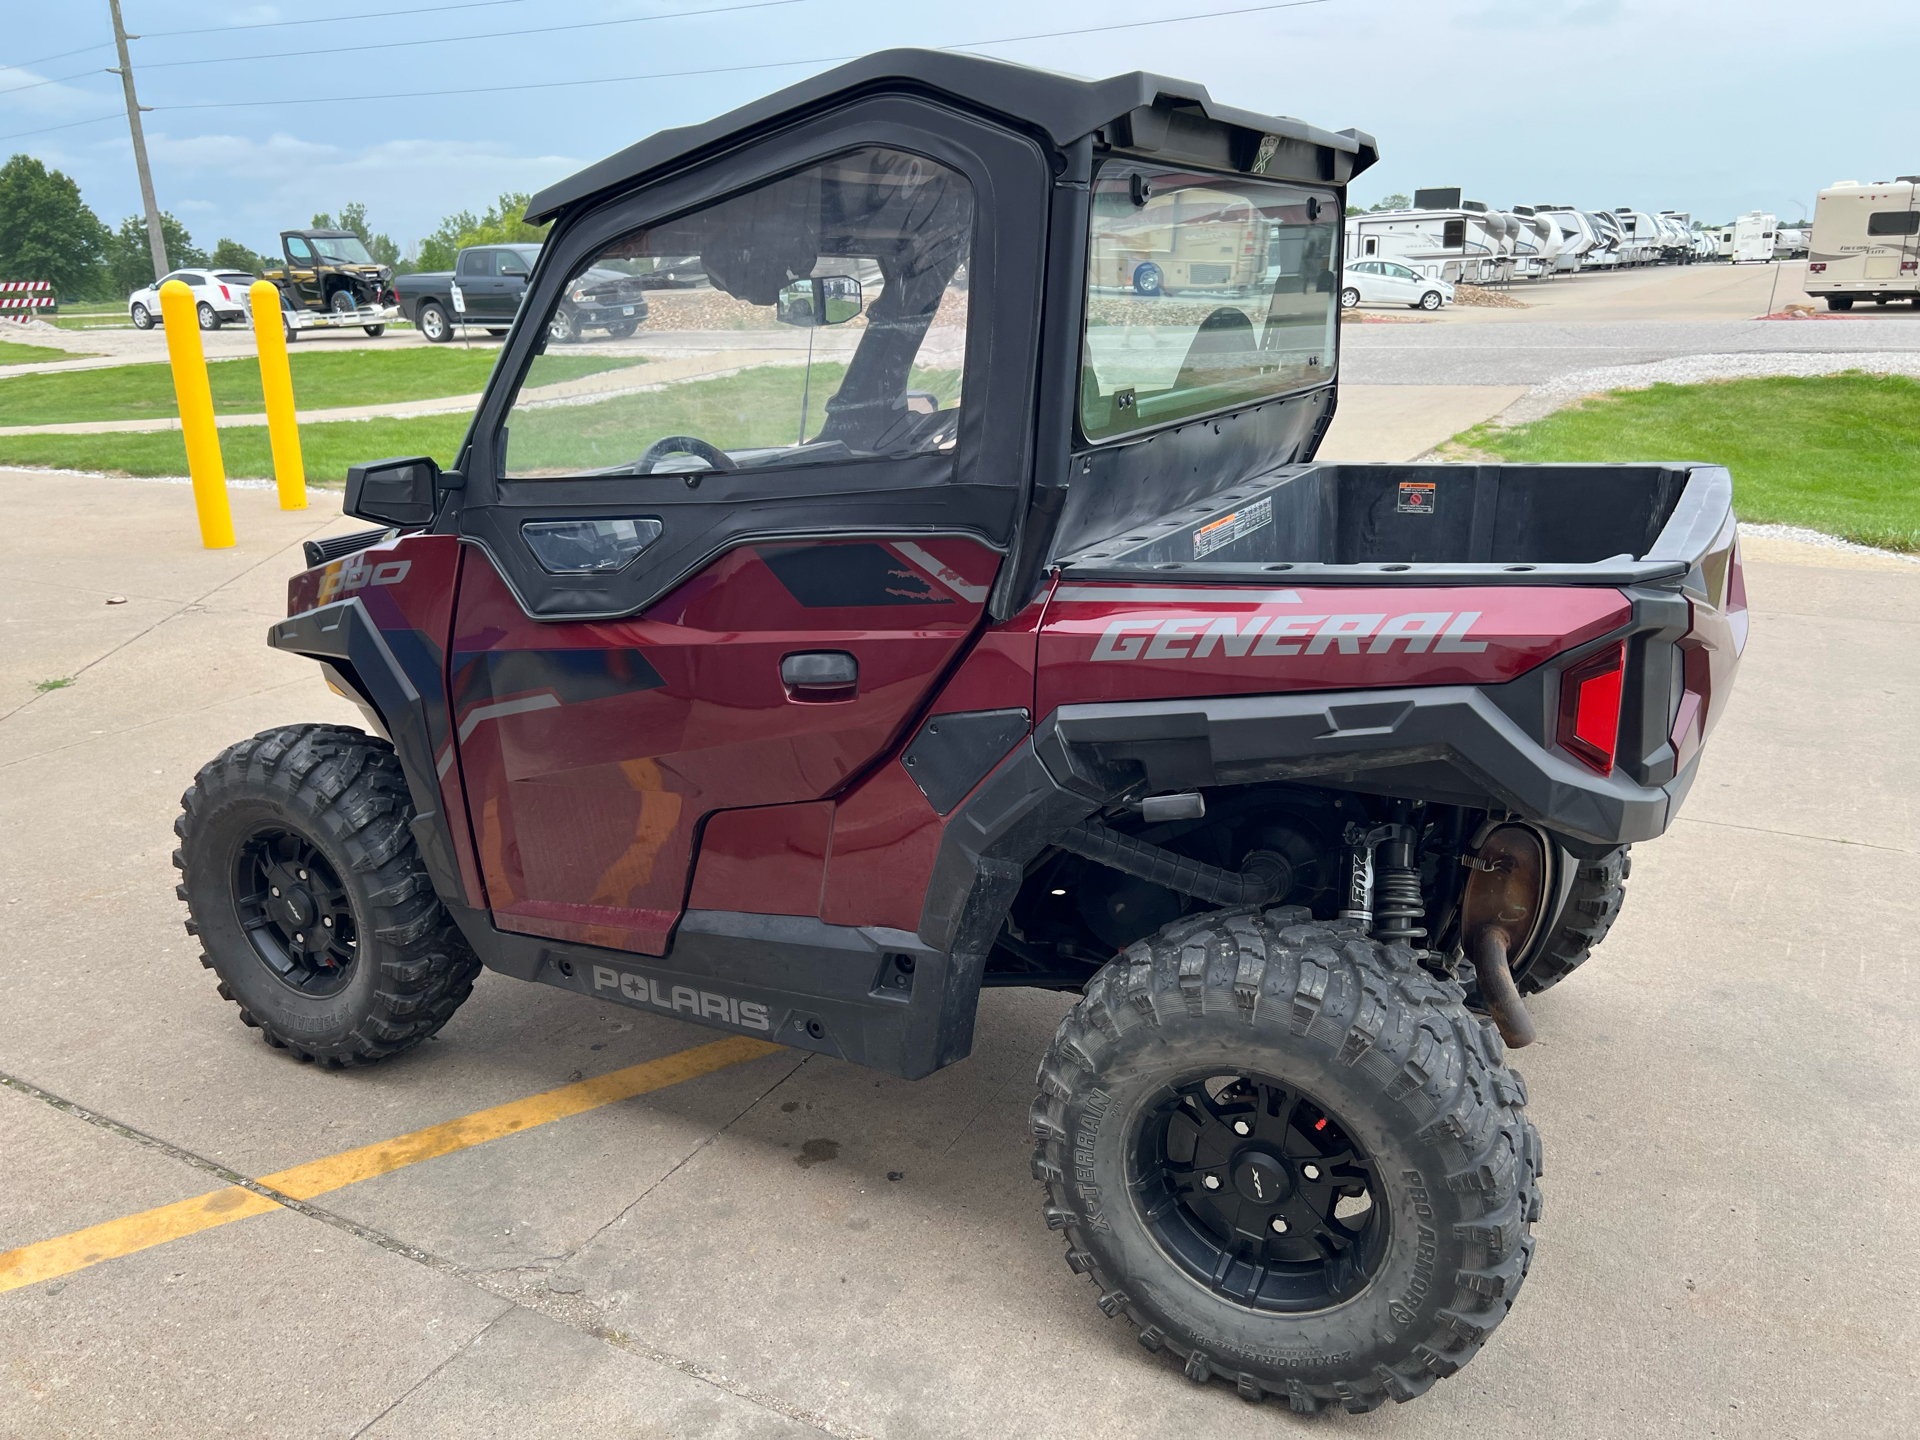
{"x":1384,"y":897}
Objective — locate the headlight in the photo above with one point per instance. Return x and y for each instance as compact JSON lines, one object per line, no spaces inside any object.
{"x":581,"y":297}
{"x":588,"y":547}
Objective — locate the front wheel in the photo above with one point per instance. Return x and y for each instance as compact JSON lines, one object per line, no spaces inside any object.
{"x":305,"y":885}
{"x":1349,"y":298}
{"x":622,"y":329}
{"x":1289,"y":1156}
{"x":1430,"y":300}
{"x":563,"y":328}
{"x":142,"y":318}
{"x":1147,"y":280}
{"x":432,"y":322}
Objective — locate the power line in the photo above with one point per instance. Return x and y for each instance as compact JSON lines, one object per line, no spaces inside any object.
{"x":328,"y":19}
{"x":452,"y":39}
{"x":729,"y":69}
{"x":19,"y":134}
{"x":687,"y":74}
{"x":56,"y":80}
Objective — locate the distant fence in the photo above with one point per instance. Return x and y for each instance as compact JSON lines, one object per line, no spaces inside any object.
{"x":27,"y":295}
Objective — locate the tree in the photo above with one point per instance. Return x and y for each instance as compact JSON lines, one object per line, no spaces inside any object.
{"x":46,"y":230}
{"x":232,"y":255}
{"x":353,"y":218}
{"x":1394,"y":202}
{"x":130,"y":261}
{"x":503,"y":224}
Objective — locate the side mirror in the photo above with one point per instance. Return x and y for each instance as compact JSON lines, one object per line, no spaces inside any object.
{"x":393,"y":492}
{"x":822,"y":300}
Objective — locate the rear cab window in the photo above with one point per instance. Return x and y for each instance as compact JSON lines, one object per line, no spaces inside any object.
{"x":1203,"y":292}
{"x":476,"y":263}
{"x":817,"y":318}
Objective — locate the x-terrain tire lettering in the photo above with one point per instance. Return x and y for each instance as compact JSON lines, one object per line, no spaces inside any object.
{"x":307,"y":891}
{"x":1252,"y":1014}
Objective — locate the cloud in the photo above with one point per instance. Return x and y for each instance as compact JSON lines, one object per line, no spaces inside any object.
{"x":261,"y":185}
{"x":1543,"y":14}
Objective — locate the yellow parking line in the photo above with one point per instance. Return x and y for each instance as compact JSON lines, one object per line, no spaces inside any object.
{"x":50,"y":1259}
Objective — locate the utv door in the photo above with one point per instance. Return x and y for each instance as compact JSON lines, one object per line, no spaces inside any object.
{"x":303,"y":275}
{"x":700,"y":585}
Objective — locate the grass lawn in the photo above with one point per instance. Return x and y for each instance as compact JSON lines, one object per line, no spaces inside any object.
{"x":14,"y":353}
{"x":758,"y":406}
{"x":321,"y":381}
{"x":1835,"y":453}
{"x":326,"y":450}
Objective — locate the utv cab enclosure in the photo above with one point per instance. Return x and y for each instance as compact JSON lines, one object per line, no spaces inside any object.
{"x":979,"y":615}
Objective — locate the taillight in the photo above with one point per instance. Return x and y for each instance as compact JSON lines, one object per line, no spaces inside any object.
{"x":1590,"y":708}
{"x":224,"y":295}
{"x":1910,"y":265}
{"x":1818,"y":267}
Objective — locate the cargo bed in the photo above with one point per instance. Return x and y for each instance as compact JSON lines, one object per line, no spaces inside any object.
{"x":1332,"y":524}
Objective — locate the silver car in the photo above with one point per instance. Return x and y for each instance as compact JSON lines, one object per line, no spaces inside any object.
{"x":1388,"y":282}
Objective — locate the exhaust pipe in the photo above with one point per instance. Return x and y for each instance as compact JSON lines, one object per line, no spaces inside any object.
{"x":1498,"y":916}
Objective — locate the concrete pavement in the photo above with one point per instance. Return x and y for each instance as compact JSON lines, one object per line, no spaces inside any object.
{"x":794,"y":1246}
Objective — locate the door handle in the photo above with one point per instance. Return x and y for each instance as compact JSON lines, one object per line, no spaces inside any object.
{"x":819,"y":675}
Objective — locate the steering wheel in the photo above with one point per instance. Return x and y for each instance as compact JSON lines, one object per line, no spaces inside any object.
{"x":693,"y":445}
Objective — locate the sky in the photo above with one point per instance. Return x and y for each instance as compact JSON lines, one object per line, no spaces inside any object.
{"x":1715,"y":107}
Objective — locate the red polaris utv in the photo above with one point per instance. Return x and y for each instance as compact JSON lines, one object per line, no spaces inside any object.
{"x":969,"y":617}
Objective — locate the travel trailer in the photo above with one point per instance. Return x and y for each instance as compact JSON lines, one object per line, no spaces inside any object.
{"x":1577,"y":235}
{"x":1536,"y":246}
{"x":1752,"y":238}
{"x":1442,"y":237}
{"x":1790,"y":242}
{"x":1866,"y":242}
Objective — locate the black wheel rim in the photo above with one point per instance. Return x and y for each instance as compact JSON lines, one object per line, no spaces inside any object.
{"x":294,"y":911}
{"x":1258,"y":1193}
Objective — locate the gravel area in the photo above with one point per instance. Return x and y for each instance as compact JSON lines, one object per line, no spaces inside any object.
{"x":1563,"y":390}
{"x":1802,"y":536}
{"x":1481,"y":296}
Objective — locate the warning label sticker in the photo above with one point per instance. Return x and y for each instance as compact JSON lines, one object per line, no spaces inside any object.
{"x":1228,"y":528}
{"x":1416,"y":497}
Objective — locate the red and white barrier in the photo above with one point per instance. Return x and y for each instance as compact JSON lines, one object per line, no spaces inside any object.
{"x":27,"y":295}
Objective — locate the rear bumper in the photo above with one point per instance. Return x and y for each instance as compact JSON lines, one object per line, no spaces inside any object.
{"x":1449,"y":744}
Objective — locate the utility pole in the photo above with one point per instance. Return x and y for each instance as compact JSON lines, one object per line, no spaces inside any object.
{"x":156,"y":238}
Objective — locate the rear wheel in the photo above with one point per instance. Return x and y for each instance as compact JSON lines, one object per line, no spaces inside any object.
{"x":495,"y":333}
{"x":307,"y":890}
{"x":432,"y":322}
{"x":375,"y":331}
{"x":1147,"y":280}
{"x":209,"y":317}
{"x":1839,"y":302}
{"x":1291,"y":1157}
{"x":1593,"y":904}
{"x":1349,"y":298}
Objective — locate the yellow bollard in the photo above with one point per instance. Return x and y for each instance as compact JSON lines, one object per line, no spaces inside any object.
{"x":190,"y":388}
{"x":276,"y":380}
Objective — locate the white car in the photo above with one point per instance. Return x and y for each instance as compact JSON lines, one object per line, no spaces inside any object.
{"x":220,"y":297}
{"x":1388,"y":282}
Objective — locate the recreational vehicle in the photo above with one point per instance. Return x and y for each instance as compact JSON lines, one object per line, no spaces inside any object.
{"x":1609,"y":252}
{"x":1866,"y":242}
{"x":1577,"y":235}
{"x":1752,"y":238}
{"x":1442,"y":238}
{"x":1180,"y":240}
{"x":1536,"y":245}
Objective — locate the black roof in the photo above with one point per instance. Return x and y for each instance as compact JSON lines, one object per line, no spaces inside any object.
{"x":1064,"y":107}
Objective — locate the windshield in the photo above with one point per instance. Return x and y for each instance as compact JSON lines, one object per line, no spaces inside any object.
{"x":342,"y":249}
{"x":820,"y":318}
{"x":1203,"y":291}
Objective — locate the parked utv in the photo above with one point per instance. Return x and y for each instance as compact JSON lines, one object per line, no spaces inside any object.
{"x":928,"y":638}
{"x":328,"y":280}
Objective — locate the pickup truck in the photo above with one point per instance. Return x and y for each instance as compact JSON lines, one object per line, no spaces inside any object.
{"x":933,"y":638}
{"x":485,"y":288}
